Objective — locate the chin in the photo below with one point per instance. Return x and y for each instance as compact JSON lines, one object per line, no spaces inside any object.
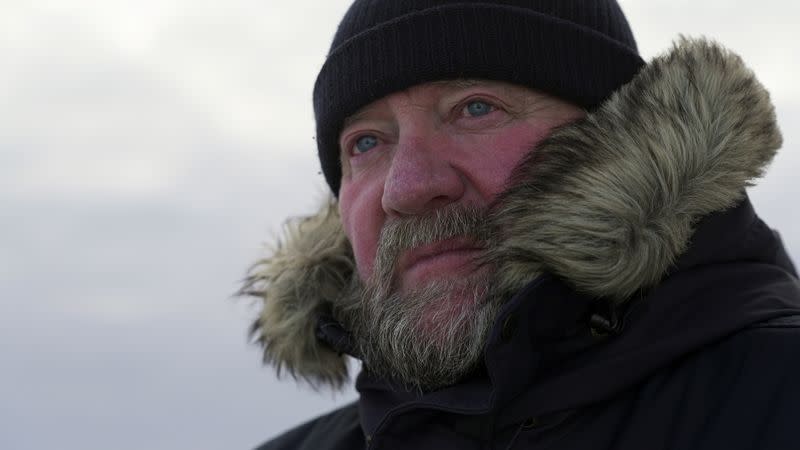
{"x":428,"y":337}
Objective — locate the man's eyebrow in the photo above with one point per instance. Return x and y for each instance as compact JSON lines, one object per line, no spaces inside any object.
{"x":462,"y":83}
{"x":452,"y":85}
{"x":355,"y":117}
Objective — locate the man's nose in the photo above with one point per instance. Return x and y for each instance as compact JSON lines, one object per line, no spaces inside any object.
{"x":421,"y":177}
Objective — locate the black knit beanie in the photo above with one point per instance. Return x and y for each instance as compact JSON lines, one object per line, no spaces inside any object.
{"x":578,"y":50}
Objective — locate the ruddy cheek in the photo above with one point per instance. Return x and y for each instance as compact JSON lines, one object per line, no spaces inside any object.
{"x":361,"y":220}
{"x":498,"y":155}
{"x":364,"y":250}
{"x":524,"y":139}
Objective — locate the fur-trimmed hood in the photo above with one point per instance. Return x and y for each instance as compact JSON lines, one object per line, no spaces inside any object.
{"x":607,"y":203}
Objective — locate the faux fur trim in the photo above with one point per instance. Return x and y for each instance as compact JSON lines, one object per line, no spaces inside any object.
{"x":607,"y":203}
{"x":613,"y":199}
{"x":305,"y":273}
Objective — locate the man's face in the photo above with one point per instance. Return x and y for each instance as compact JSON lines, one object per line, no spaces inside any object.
{"x":431,"y":146}
{"x":420,"y":169}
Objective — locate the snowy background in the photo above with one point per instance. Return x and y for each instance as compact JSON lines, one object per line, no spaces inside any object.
{"x":149,"y":148}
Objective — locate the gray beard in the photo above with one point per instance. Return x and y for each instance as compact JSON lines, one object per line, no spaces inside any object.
{"x":433,"y":335}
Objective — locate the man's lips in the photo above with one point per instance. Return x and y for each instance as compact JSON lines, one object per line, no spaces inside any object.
{"x":450,"y":253}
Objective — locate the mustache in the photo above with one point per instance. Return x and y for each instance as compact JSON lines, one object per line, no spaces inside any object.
{"x":405,"y":233}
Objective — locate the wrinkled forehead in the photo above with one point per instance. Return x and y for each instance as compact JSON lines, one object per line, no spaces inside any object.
{"x":442,"y":86}
{"x":430,"y":92}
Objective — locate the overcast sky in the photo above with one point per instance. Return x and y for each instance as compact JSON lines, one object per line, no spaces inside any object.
{"x":149,"y":148}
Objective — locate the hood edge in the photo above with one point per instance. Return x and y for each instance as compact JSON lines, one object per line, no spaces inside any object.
{"x":716,"y":133}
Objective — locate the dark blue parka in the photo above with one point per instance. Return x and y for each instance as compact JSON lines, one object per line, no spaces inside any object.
{"x":662,"y":312}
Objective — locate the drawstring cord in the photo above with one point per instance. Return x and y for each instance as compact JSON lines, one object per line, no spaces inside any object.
{"x":516,"y":435}
{"x":606,"y":323}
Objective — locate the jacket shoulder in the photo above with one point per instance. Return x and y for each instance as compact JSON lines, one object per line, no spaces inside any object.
{"x":771,"y":344}
{"x":751,"y":385}
{"x":338,"y":429}
{"x":786,"y":322}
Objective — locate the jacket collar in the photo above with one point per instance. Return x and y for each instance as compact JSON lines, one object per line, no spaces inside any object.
{"x":735,"y":273}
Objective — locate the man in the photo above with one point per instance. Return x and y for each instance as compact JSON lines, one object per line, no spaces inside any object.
{"x":537,"y":240}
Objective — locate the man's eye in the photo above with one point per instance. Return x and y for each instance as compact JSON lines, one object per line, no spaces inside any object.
{"x":478,"y":108}
{"x":365,"y":143}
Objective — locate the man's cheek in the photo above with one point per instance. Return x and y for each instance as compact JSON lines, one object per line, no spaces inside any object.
{"x":363,"y":217}
{"x":364,"y":243}
{"x":365,"y":266}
